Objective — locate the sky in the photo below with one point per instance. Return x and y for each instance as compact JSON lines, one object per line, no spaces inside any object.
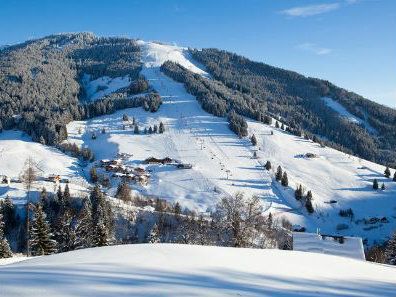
{"x":351,"y":43}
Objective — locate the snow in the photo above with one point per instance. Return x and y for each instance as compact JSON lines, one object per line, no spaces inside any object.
{"x":155,"y":54}
{"x":185,"y":270}
{"x":343,"y":112}
{"x":16,"y":147}
{"x":332,"y":175}
{"x":351,"y":247}
{"x":205,"y":141}
{"x":103,"y":86}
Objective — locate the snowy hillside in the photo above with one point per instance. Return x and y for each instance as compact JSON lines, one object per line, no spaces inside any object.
{"x":185,"y":270}
{"x":16,"y":148}
{"x":196,"y":137}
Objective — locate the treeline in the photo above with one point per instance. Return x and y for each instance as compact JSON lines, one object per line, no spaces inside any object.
{"x":39,"y":82}
{"x":58,"y":223}
{"x":297,"y":99}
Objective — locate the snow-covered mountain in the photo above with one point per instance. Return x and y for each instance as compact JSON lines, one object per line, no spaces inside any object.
{"x":223,"y":164}
{"x":187,"y":270}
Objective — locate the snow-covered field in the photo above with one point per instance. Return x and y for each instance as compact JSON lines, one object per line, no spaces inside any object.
{"x":185,"y":270}
{"x":100,"y":87}
{"x":16,"y":148}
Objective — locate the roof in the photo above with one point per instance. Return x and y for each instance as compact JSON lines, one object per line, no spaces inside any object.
{"x":351,"y":247}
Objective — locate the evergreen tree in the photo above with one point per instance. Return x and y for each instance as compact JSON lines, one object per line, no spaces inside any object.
{"x":394,"y":176}
{"x":283,"y":126}
{"x":285,"y":180}
{"x":94,"y":175}
{"x":101,"y":218}
{"x":84,"y":226}
{"x":390,"y":251}
{"x":154,"y":237}
{"x":276,"y":124}
{"x":161,"y":127}
{"x":308,"y":202}
{"x":279,"y":173}
{"x":134,"y":121}
{"x":5,"y":250}
{"x":383,"y":187}
{"x":124,"y":192}
{"x":66,"y":195}
{"x":145,"y":130}
{"x":65,"y":234}
{"x":136,"y":129}
{"x":125,"y":117}
{"x":387,"y":172}
{"x":150,"y":130}
{"x":60,"y":197}
{"x":268,"y":166}
{"x":375,"y":184}
{"x":43,"y":196}
{"x":41,"y":241}
{"x":8,"y":211}
{"x":177,"y":209}
{"x":253,"y":140}
{"x":299,"y":192}
{"x":155,"y":130}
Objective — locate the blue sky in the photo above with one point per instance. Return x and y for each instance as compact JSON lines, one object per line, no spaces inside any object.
{"x":349,"y":42}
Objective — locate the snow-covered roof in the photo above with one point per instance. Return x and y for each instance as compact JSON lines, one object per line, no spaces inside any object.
{"x":351,"y":247}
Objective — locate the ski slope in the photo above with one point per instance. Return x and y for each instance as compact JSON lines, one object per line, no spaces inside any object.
{"x":196,"y":137}
{"x":192,"y":136}
{"x":186,"y":270}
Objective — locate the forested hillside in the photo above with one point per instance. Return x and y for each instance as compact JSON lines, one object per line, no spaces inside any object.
{"x":298,"y":100}
{"x":40,"y":87}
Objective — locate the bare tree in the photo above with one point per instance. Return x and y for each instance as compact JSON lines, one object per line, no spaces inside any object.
{"x":28,"y":177}
{"x":29,"y":174}
{"x":239,"y":216}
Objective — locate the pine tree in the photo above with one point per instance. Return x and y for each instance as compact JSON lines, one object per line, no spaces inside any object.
{"x":84,"y":226}
{"x":383,"y":187}
{"x":145,"y":130}
{"x":124,"y":192}
{"x":150,"y":130}
{"x":390,"y":251}
{"x":66,"y":195}
{"x":268,"y":166}
{"x":283,"y":126}
{"x":394,"y":177}
{"x":41,"y":241}
{"x":161,"y":127}
{"x":136,"y":129}
{"x":8,"y":211}
{"x":285,"y":180}
{"x":154,"y":235}
{"x":155,"y":130}
{"x":276,"y":124}
{"x":5,"y":250}
{"x":253,"y":140}
{"x":133,"y":121}
{"x":375,"y":184}
{"x":94,"y":175}
{"x":308,"y":202}
{"x":101,"y":218}
{"x":279,"y":173}
{"x":387,"y":172}
{"x":177,"y":209}
{"x":60,"y":197}
{"x":65,"y":234}
{"x":299,"y":192}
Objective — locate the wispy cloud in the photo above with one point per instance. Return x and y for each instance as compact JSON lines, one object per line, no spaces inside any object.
{"x":310,"y":10}
{"x":314,"y":48}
